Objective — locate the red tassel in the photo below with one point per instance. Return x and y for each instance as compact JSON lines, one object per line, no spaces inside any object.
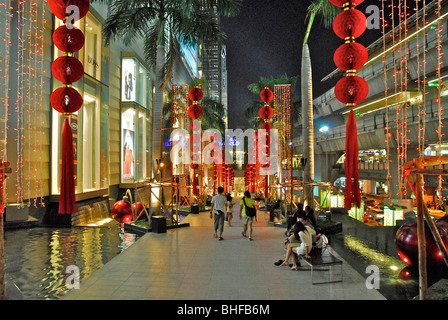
{"x":67,"y":200}
{"x":352,"y":191}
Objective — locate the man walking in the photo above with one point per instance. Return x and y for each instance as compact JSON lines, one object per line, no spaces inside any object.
{"x":218,"y":208}
{"x":247,"y":204}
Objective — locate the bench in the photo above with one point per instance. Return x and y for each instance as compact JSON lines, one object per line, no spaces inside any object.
{"x":321,"y":262}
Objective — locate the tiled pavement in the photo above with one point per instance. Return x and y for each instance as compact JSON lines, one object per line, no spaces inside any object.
{"x":189,"y":264}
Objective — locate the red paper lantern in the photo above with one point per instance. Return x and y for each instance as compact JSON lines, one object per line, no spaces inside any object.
{"x":66,"y":100}
{"x":67,"y":69}
{"x":59,"y":8}
{"x":350,"y":24}
{"x":196,"y":94}
{"x":68,"y":40}
{"x":351,"y":90}
{"x":342,"y":3}
{"x":195,"y":111}
{"x":266,"y":113}
{"x":266,"y":95}
{"x":266,"y":126}
{"x":350,"y":56}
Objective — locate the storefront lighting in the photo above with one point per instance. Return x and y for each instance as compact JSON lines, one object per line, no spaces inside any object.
{"x":324,"y":129}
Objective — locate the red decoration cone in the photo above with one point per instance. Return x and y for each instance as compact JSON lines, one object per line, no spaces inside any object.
{"x":352,"y":191}
{"x":67,"y":201}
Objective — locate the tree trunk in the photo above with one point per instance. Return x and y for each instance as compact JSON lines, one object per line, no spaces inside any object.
{"x":307,"y":125}
{"x":157,"y":111}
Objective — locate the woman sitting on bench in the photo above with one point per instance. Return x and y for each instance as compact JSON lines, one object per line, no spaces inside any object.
{"x":304,"y":236}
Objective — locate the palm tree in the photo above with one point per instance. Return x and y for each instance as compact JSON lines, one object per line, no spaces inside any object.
{"x":328,"y":12}
{"x":163,"y":25}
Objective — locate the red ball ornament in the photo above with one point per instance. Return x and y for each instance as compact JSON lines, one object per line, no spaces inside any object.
{"x":67,"y":69}
{"x":341,"y":3}
{"x":66,"y":100}
{"x":350,"y":56}
{"x":351,"y":90}
{"x":266,"y":113}
{"x":266,"y":95}
{"x":122,"y":211}
{"x":406,"y":244}
{"x":59,"y":8}
{"x":196,"y":94}
{"x":139,"y":211}
{"x":195,"y":111}
{"x":68,"y":40}
{"x":350,"y":24}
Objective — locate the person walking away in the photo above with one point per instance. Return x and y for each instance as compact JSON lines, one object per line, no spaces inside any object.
{"x":218,"y":207}
{"x":229,"y":209}
{"x":247,"y":202}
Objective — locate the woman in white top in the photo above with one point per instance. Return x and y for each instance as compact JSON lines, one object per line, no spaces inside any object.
{"x":303,"y":235}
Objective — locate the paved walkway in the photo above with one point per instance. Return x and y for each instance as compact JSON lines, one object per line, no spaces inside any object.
{"x":189,"y":264}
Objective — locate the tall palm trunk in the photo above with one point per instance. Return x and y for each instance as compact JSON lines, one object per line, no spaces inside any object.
{"x":157,"y":111}
{"x":307,"y":124}
{"x":307,"y":118}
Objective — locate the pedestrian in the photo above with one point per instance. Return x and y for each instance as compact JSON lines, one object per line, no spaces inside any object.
{"x":218,"y":208}
{"x":247,"y":208}
{"x":229,"y":209}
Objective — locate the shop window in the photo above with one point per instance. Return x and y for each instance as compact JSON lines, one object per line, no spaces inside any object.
{"x":136,"y":89}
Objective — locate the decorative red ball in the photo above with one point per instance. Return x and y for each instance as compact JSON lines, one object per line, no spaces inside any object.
{"x":340,"y":3}
{"x":68,"y":40}
{"x":266,"y":112}
{"x":122,"y":211}
{"x":66,"y":100}
{"x":406,"y":244}
{"x":139,"y":211}
{"x":350,"y":56}
{"x":195,"y":111}
{"x":266,"y":95}
{"x":351,"y":90}
{"x":59,"y":8}
{"x":350,"y":24}
{"x":196,"y":94}
{"x":67,"y":69}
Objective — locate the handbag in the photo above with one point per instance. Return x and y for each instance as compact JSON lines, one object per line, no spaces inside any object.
{"x":250,"y":211}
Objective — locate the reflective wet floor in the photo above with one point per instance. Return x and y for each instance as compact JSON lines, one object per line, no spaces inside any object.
{"x":38,"y":259}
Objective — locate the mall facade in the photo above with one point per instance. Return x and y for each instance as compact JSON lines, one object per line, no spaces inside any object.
{"x":112,"y":131}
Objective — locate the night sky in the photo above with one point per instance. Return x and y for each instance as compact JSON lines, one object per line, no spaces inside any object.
{"x":266,"y":39}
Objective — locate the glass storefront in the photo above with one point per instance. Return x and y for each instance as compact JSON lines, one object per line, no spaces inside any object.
{"x":136,"y":97}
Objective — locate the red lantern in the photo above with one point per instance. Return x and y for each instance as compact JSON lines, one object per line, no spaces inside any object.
{"x":350,"y":24}
{"x":68,"y":40}
{"x":350,"y":56}
{"x":344,"y":3}
{"x":351,"y":90}
{"x":266,"y":95}
{"x":196,"y":94}
{"x":266,"y":112}
{"x":66,"y":100}
{"x":67,"y":69}
{"x":266,"y":126}
{"x":59,"y":8}
{"x":195,"y":111}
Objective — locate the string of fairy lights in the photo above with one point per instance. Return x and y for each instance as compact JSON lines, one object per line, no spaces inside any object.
{"x":395,"y":16}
